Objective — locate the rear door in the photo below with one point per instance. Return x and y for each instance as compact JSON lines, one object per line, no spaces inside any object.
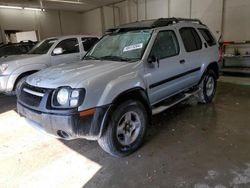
{"x":210,"y":43}
{"x":193,"y":54}
{"x":164,"y":78}
{"x":71,"y":52}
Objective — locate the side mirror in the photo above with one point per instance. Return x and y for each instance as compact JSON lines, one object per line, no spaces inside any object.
{"x":152,"y":59}
{"x":57,"y":51}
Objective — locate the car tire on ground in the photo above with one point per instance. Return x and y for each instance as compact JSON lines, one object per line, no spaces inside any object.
{"x":207,"y":87}
{"x":18,"y":85}
{"x":126,"y":129}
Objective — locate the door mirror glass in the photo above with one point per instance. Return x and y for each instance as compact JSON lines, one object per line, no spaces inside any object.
{"x":57,"y":51}
{"x":152,"y":59}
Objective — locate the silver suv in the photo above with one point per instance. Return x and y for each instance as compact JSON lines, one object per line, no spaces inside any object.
{"x":134,"y":71}
{"x":52,"y":51}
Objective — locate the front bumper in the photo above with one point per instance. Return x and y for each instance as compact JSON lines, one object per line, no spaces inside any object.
{"x":68,"y":127}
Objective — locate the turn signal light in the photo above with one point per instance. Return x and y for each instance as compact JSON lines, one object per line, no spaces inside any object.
{"x":87,"y":112}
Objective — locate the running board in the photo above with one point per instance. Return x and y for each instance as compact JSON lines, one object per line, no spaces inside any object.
{"x":163,"y":107}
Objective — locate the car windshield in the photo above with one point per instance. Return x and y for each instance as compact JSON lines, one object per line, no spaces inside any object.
{"x":128,"y":46}
{"x":43,"y":46}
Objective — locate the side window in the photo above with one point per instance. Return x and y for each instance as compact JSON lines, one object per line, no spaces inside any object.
{"x":88,"y":43}
{"x":23,"y":49}
{"x":166,"y":45}
{"x":16,"y":49}
{"x":8,"y":50}
{"x":191,"y":39}
{"x":207,"y":36}
{"x":69,"y":46}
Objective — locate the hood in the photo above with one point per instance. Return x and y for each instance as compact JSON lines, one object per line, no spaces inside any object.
{"x":16,"y":61}
{"x":72,"y":74}
{"x":6,"y":59}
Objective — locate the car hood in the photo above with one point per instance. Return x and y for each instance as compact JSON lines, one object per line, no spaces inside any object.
{"x":16,"y":61}
{"x":72,"y":74}
{"x":16,"y":58}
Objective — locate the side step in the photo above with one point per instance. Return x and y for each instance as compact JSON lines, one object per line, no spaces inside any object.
{"x":173,"y":102}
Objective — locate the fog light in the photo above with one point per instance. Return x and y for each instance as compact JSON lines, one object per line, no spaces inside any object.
{"x":73,"y":102}
{"x":63,"y":134}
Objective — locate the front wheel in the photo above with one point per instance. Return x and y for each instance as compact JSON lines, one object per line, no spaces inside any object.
{"x":126,"y":129}
{"x":19,"y":83}
{"x":17,"y":86}
{"x":207,"y":87}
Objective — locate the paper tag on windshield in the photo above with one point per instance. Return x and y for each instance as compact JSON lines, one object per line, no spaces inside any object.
{"x":133,"y":47}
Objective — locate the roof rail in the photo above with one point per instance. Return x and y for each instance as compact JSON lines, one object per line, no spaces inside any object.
{"x":167,"y":21}
{"x":148,"y":24}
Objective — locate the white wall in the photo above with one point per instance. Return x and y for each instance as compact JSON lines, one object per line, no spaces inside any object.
{"x":27,"y":35}
{"x":156,"y":9}
{"x":179,"y":8}
{"x":230,"y":19}
{"x":124,"y":16}
{"x":48,"y":23}
{"x":109,"y":20}
{"x":92,"y":22}
{"x":141,"y":9}
{"x":210,"y":13}
{"x":233,"y":23}
{"x":71,"y":22}
{"x":236,"y":20}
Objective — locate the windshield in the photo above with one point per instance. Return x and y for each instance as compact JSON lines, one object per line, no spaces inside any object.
{"x":43,"y":46}
{"x":127,"y":46}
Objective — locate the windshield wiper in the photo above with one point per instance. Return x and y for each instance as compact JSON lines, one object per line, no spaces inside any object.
{"x":116,"y":58}
{"x":90,"y":57}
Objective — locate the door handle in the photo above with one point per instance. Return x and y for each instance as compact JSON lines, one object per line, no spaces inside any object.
{"x":182,"y":61}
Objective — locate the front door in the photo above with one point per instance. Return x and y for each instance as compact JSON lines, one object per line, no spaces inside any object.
{"x":70,"y":52}
{"x":164,"y":78}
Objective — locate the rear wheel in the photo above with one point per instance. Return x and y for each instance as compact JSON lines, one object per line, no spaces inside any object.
{"x":207,"y":87}
{"x":126,"y":129}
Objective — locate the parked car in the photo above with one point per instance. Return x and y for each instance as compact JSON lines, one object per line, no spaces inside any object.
{"x":134,"y":71}
{"x":16,"y":48}
{"x":49,"y":52}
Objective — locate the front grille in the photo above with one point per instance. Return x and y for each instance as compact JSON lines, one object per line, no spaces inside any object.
{"x":31,"y":95}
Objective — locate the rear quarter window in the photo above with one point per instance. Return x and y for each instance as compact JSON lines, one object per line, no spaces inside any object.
{"x":207,"y":36}
{"x":191,"y":39}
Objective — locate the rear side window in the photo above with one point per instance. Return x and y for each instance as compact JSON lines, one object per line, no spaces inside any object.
{"x":191,"y":39}
{"x":166,"y":45}
{"x":207,"y":36}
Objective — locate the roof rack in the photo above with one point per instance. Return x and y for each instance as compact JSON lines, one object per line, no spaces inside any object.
{"x":149,"y":24}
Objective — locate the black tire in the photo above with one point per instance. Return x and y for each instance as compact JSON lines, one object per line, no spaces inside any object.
{"x":204,"y":96}
{"x":18,"y":84}
{"x":109,"y":141}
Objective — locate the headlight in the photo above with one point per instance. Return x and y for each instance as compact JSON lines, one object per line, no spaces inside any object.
{"x":3,"y":67}
{"x":63,"y":96}
{"x":66,"y":97}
